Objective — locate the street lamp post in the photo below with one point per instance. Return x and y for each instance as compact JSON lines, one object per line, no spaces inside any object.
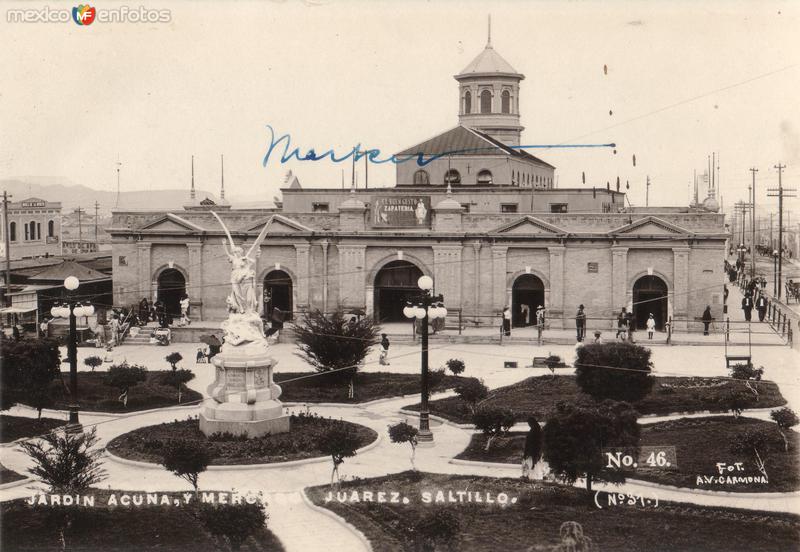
{"x":423,"y":308}
{"x":775,"y":273}
{"x":72,"y":310}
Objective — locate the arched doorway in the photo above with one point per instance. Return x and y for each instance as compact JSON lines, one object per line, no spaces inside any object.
{"x":171,"y":289}
{"x":650,"y":295}
{"x":278,"y":293}
{"x":526,"y":296}
{"x":395,"y":284}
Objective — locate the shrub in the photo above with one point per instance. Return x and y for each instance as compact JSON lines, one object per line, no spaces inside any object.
{"x":186,"y":459}
{"x":746,"y":372}
{"x":435,"y":378}
{"x":124,"y":375}
{"x":332,"y":342}
{"x":616,"y":371}
{"x":234,"y":522}
{"x":339,"y":443}
{"x":493,"y":422}
{"x":66,"y":463}
{"x":402,"y":432}
{"x":575,"y":436}
{"x":786,"y":419}
{"x":735,"y":400}
{"x":472,"y":392}
{"x":174,"y":358}
{"x":456,"y":366}
{"x":441,"y":527}
{"x":177,"y":378}
{"x":93,"y":362}
{"x":28,"y":367}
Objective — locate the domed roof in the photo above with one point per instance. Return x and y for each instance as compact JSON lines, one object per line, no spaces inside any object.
{"x":448,"y":203}
{"x":352,"y":202}
{"x":711,"y":204}
{"x":488,"y":62}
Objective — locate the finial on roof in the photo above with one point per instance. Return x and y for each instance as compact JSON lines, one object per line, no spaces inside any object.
{"x":449,"y":191}
{"x":489,"y":40}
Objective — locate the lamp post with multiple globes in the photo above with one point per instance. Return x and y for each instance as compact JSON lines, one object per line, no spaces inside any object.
{"x":71,"y":310}
{"x":425,"y":307}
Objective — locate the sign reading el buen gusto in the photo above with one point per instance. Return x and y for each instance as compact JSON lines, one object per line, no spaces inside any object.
{"x":402,"y":211}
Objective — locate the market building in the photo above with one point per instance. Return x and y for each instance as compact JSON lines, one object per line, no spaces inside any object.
{"x":483,"y":219}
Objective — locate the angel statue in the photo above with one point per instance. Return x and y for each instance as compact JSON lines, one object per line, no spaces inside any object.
{"x":243,"y":275}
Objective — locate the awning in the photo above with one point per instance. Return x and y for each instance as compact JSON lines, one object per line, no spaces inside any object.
{"x":16,"y":310}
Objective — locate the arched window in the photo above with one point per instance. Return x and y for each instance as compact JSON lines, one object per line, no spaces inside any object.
{"x":12,"y":231}
{"x":452,"y":177}
{"x":38,"y":230}
{"x":486,"y":101}
{"x":51,"y":229}
{"x":468,"y":102}
{"x":506,"y":101}
{"x":421,"y":178}
{"x":33,"y":230}
{"x":513,"y":178}
{"x":27,"y":232}
{"x":485,"y":177}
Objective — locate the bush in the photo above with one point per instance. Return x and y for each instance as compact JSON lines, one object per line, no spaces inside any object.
{"x":746,"y":372}
{"x":616,"y":371}
{"x":493,"y":422}
{"x":456,"y":366}
{"x":234,"y":522}
{"x":786,"y":419}
{"x":186,"y":459}
{"x":736,"y":400}
{"x":332,"y":342}
{"x":174,"y":358}
{"x":177,"y":378}
{"x":575,"y":436}
{"x":402,"y":432}
{"x":66,"y":463}
{"x":93,"y":362}
{"x":472,"y":392}
{"x":339,"y":443}
{"x":435,"y":378}
{"x":124,"y":375}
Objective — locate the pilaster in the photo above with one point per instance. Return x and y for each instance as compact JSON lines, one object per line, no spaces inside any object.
{"x":499,"y":268}
{"x":555,"y":308}
{"x":619,"y":277}
{"x":352,"y":259}
{"x":194,"y":287}
{"x":303,"y":274}
{"x":447,"y":273}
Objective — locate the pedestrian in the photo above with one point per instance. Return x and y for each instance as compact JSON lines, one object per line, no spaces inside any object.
{"x":747,"y":306}
{"x":622,"y":319}
{"x":724,"y":293}
{"x":651,"y":326}
{"x":114,"y":327}
{"x":201,"y":356}
{"x":185,"y":310}
{"x":507,"y":322}
{"x":15,"y":332}
{"x":540,"y":315}
{"x":384,"y":350}
{"x":580,"y":323}
{"x":533,"y":448}
{"x":630,"y":324}
{"x":43,"y":325}
{"x":761,"y":306}
{"x":597,"y":337}
{"x":707,"y":318}
{"x":525,"y":311}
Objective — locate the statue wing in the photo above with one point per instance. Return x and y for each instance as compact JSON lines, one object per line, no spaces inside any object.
{"x":227,"y":232}
{"x":260,"y":238}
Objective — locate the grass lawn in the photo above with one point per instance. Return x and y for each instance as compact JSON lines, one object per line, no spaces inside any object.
{"x":699,"y":444}
{"x":95,"y":396}
{"x":369,"y":386}
{"x":8,"y":476}
{"x":120,"y":528}
{"x":533,"y":522}
{"x":146,"y":444}
{"x":17,"y":427}
{"x":538,"y":395}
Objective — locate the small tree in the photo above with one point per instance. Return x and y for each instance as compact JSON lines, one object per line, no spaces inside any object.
{"x":123,"y":376}
{"x":186,"y":459}
{"x":178,"y":378}
{"x":749,"y":374}
{"x":575,"y":436}
{"x":786,"y":419}
{"x":552,"y":362}
{"x":493,"y":422}
{"x":174,"y":358}
{"x":616,"y":371}
{"x":402,"y":432}
{"x":472,"y":392}
{"x":736,"y":400}
{"x":65,"y":461}
{"x":753,"y":442}
{"x":335,"y":342}
{"x":441,"y":527}
{"x":234,"y":522}
{"x":456,"y":366}
{"x":339,"y":443}
{"x":93,"y":362}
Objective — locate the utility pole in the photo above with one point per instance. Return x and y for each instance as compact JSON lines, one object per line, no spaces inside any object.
{"x":96,"y":208}
{"x":753,"y":225}
{"x":780,"y":193}
{"x":647,"y":193}
{"x":80,"y":211}
{"x":116,"y":205}
{"x":8,"y":244}
{"x":771,"y":238}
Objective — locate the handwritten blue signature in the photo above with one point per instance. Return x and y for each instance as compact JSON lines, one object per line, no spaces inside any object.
{"x":374,"y":155}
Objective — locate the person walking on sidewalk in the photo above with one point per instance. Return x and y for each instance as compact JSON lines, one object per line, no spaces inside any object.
{"x":507,"y":322}
{"x":761,"y":307}
{"x":651,"y":326}
{"x":622,"y":320}
{"x":384,"y":350}
{"x":707,"y":318}
{"x":580,"y":324}
{"x":747,"y":306}
{"x":533,"y":448}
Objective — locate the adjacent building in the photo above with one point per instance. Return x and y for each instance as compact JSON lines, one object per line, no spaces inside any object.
{"x":34,"y":228}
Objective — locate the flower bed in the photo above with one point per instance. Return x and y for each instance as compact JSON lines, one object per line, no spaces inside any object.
{"x":145,"y":444}
{"x":17,"y":427}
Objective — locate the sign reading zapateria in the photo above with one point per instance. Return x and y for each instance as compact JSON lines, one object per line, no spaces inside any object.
{"x":402,"y":211}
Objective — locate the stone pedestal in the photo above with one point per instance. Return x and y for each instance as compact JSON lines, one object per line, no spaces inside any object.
{"x":245,"y":397}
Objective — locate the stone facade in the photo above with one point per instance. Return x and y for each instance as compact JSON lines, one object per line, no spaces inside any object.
{"x":34,"y":227}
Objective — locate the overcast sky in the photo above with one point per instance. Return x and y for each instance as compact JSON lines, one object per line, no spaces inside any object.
{"x":684,"y":79}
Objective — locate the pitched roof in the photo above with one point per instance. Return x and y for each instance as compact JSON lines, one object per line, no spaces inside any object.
{"x":488,"y":62}
{"x":468,"y":141}
{"x":60,"y":272}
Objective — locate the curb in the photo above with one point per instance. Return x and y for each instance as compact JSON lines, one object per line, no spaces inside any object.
{"x":438,"y":419}
{"x":123,"y":414}
{"x":362,"y":404}
{"x":460,"y":462}
{"x":233,"y":467}
{"x":338,"y":519}
{"x":19,"y":483}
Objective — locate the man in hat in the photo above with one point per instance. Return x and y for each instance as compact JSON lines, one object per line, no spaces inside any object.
{"x":580,"y":323}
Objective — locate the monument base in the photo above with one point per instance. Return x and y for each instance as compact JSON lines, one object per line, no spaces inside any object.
{"x":248,"y":428}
